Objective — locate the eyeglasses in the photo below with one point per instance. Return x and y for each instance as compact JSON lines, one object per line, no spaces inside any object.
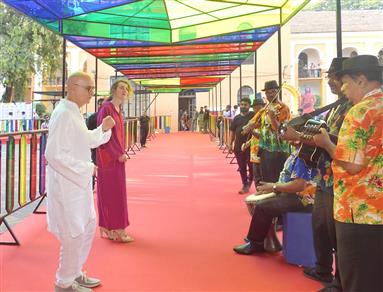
{"x":89,"y":88}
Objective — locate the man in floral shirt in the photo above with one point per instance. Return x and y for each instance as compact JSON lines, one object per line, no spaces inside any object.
{"x":358,"y":176}
{"x":295,"y":193}
{"x":323,"y":218}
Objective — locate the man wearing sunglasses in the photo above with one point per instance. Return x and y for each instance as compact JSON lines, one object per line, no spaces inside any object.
{"x":70,"y":210}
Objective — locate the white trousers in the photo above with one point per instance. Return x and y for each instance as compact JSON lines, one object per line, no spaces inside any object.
{"x":73,"y":253}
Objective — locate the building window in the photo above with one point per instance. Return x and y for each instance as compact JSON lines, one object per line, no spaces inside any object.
{"x":309,"y":64}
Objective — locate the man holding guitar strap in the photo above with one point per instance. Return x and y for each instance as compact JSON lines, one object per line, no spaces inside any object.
{"x":358,"y":176}
{"x":323,"y":218}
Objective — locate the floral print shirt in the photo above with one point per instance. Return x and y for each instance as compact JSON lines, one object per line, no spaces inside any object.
{"x":296,"y":168}
{"x":359,"y":198}
{"x":269,"y":139}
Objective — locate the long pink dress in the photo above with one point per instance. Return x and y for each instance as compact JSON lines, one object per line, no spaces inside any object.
{"x":111,"y":180}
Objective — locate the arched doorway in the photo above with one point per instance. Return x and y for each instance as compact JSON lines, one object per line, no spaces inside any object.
{"x":309,"y":64}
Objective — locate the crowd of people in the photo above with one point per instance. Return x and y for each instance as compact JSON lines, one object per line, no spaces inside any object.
{"x":343,"y":189}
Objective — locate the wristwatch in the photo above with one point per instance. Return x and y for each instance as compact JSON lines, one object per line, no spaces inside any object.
{"x":275,"y":189}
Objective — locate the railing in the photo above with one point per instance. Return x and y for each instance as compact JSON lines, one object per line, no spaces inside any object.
{"x":161,"y":122}
{"x":11,"y":126}
{"x":131,"y":136}
{"x":22,"y":173}
{"x":309,"y":73}
{"x":213,"y":124}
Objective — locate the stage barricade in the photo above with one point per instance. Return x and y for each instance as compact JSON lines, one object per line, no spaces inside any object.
{"x":22,"y":170}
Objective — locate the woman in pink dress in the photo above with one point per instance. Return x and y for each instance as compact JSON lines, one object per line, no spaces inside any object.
{"x":111,"y":158}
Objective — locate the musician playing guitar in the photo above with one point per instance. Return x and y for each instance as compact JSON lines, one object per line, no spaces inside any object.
{"x":358,"y":176}
{"x":323,"y":219}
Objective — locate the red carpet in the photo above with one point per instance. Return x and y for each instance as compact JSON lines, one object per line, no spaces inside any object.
{"x":185,"y":215}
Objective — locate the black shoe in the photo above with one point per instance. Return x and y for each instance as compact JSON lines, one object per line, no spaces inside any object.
{"x":249,"y":248}
{"x":330,"y":289}
{"x":245,"y":189}
{"x":314,"y":275}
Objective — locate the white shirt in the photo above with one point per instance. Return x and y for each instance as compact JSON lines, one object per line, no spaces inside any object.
{"x":70,"y":205}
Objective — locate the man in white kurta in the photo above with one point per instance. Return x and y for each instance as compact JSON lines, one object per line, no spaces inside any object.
{"x":70,"y":208}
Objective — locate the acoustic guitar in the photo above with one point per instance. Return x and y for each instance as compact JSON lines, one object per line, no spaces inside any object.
{"x":308,"y":153}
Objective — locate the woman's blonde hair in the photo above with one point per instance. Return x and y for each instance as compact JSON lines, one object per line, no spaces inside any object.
{"x":125,"y":81}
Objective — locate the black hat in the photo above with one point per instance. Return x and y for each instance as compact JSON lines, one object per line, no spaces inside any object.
{"x":336,"y":65}
{"x":361,"y":63}
{"x":272,"y":84}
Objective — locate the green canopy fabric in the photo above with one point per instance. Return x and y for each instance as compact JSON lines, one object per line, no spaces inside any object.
{"x":161,"y":39}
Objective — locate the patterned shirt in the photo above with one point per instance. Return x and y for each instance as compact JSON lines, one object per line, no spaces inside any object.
{"x":359,"y":198}
{"x":269,"y":139}
{"x":254,"y":148}
{"x":334,"y":121}
{"x":296,"y":168}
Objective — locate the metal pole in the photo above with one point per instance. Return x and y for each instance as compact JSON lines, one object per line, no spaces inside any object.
{"x":95,"y":86}
{"x":220,"y":96}
{"x":280,"y":61}
{"x":338,"y":29}
{"x":216,"y":99}
{"x":155,"y":97}
{"x":230,"y":90}
{"x":135,"y":105}
{"x":209,"y":98}
{"x":64,"y":69}
{"x":255,"y":74}
{"x":240,"y":81}
{"x":140,"y":101}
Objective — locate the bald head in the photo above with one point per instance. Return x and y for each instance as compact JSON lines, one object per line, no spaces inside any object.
{"x":80,"y":88}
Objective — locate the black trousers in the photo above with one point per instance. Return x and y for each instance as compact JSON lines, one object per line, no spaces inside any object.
{"x":267,"y":209}
{"x":324,"y":234}
{"x":257,"y":174}
{"x":360,"y":256}
{"x":143,"y":135}
{"x":271,"y":165}
{"x":245,"y":166}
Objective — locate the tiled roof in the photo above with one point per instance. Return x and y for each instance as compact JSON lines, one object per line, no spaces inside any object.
{"x":325,"y":21}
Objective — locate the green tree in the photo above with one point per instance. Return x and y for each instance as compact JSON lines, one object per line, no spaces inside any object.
{"x":346,"y":5}
{"x":40,"y":109}
{"x":26,"y":47}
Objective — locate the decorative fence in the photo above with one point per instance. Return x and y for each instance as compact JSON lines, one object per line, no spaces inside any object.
{"x":131,"y":136}
{"x":213,"y":124}
{"x":11,"y":126}
{"x":161,"y":122}
{"x":22,"y":173}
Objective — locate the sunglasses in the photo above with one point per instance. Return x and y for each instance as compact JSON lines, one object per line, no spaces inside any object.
{"x":89,"y":88}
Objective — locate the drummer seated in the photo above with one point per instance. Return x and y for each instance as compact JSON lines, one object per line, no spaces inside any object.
{"x":294,"y":192}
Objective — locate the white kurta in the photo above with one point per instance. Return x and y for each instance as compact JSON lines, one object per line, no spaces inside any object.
{"x":70,"y":205}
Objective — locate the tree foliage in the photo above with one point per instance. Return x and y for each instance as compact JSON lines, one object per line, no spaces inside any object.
{"x":40,"y":109}
{"x":26,"y":47}
{"x":346,"y":5}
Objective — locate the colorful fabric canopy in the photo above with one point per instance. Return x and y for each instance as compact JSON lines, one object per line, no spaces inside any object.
{"x":196,"y":42}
